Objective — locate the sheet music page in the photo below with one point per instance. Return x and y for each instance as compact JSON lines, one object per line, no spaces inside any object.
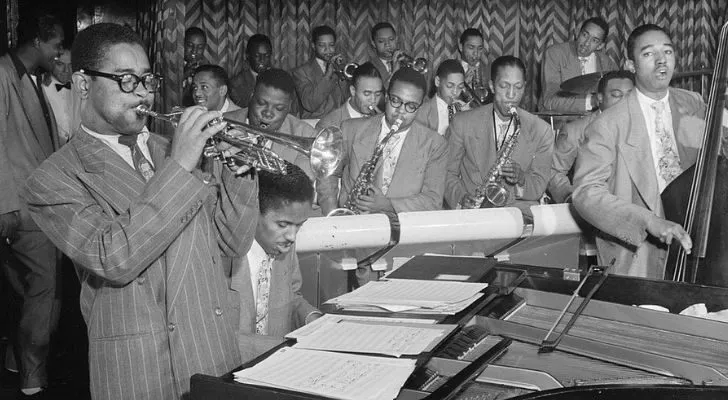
{"x":327,"y":319}
{"x":374,"y":338}
{"x":410,"y":292}
{"x":336,"y":375}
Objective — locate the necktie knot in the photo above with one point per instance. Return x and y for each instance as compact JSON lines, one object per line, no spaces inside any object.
{"x":658,"y":106}
{"x":128,"y":140}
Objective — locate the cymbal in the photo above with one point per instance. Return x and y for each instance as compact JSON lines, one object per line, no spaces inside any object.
{"x":551,"y":113}
{"x":688,"y":74}
{"x":582,"y":84}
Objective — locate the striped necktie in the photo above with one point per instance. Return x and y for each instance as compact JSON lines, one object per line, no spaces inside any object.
{"x":141,"y":164}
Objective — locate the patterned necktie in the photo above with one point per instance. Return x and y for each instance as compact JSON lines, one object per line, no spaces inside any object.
{"x":503,"y":135}
{"x":450,"y":112}
{"x":668,"y":158}
{"x":390,"y":162}
{"x":261,"y":303}
{"x":141,"y":164}
{"x":583,"y":61}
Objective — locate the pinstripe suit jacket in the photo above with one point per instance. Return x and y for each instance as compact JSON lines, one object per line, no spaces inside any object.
{"x":154,"y":293}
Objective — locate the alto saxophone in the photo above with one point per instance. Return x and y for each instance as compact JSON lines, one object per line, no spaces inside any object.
{"x":493,"y":189}
{"x":366,"y":176}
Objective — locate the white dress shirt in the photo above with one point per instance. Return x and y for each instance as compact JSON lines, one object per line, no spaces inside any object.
{"x":391,"y":152}
{"x":60,"y":103}
{"x":386,"y":65}
{"x":353,"y":113}
{"x":443,"y":119}
{"x":225,"y":105}
{"x":650,"y":115}
{"x":322,"y":64}
{"x":255,"y":256}
{"x":121,"y":149}
{"x":590,"y":67}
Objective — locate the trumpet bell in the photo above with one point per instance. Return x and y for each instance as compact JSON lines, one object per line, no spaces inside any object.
{"x":420,"y":65}
{"x":349,"y":70}
{"x":326,"y":151}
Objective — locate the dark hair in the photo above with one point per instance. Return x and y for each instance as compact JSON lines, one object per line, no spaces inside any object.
{"x":379,"y":26}
{"x":255,"y":41}
{"x":408,"y":75}
{"x":506,"y":61}
{"x":621,"y":74}
{"x":92,"y":44}
{"x":195,"y":31}
{"x":216,"y":71}
{"x":598,"y":21}
{"x":278,"y":79}
{"x":321,"y":31}
{"x":470,"y":32}
{"x":448,"y":67}
{"x":41,"y":27}
{"x":278,"y":190}
{"x":639,"y":31}
{"x":366,"y":70}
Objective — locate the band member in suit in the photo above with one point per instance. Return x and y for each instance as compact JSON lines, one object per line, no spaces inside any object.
{"x":258,"y":53}
{"x":27,"y":137}
{"x":612,"y":88}
{"x":437,"y":111}
{"x":268,"y":279}
{"x":320,"y":88}
{"x":476,"y":137}
{"x":57,"y":88}
{"x":195,"y":43}
{"x":210,"y":89}
{"x":366,"y":92}
{"x":564,"y":61}
{"x":385,"y":52}
{"x":477,"y":70}
{"x":269,"y":110}
{"x":145,"y":228}
{"x":632,"y":152}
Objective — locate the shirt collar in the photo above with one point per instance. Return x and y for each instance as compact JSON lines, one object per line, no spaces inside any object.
{"x":321,"y":63}
{"x":643,"y":99}
{"x":141,"y":139}
{"x":353,"y":113}
{"x":225,"y":105}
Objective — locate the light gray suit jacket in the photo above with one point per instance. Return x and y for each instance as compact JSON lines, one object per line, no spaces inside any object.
{"x":616,"y":186}
{"x":287,"y":309}
{"x":155,"y":294}
{"x":318,"y":95}
{"x":419,"y":177}
{"x":568,"y":141}
{"x":471,"y":137}
{"x":427,"y":113}
{"x":334,"y":118}
{"x":561,"y":63}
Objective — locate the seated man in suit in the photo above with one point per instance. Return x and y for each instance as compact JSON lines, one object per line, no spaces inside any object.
{"x":632,"y":152}
{"x":268,"y":279}
{"x":366,"y":92}
{"x":210,"y":89}
{"x":195,"y":42}
{"x":145,"y":227}
{"x":437,"y":111}
{"x":320,"y":88}
{"x":477,"y":71}
{"x":612,"y":88}
{"x":269,"y":110}
{"x":258,"y":54}
{"x":477,"y":137}
{"x":564,"y":61}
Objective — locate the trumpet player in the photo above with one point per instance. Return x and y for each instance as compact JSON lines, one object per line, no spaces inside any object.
{"x":318,"y":85}
{"x":258,"y":53}
{"x":437,"y":112}
{"x":384,"y":47}
{"x":366,"y":91}
{"x":477,"y":72}
{"x":145,"y":227}
{"x":475,"y":139}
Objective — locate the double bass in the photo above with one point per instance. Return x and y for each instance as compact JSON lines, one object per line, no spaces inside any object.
{"x":698,"y":198}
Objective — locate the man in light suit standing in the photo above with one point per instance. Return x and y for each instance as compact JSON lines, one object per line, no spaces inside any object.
{"x":28,"y":136}
{"x":476,"y":137}
{"x":632,"y":152}
{"x":320,"y":88}
{"x":366,"y":92}
{"x":268,"y":278}
{"x":145,"y":227}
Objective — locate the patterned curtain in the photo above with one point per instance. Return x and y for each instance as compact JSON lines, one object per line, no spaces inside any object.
{"x":427,"y":28}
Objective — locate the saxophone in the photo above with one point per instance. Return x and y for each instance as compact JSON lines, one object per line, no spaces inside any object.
{"x":366,"y":176}
{"x":493,"y":189}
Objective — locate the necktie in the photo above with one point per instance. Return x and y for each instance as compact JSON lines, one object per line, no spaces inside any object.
{"x":390,"y":66}
{"x":261,"y":303}
{"x":60,"y":86}
{"x":583,"y":61}
{"x":141,"y":164}
{"x":450,"y":112}
{"x":668,"y":160}
{"x":390,"y":162}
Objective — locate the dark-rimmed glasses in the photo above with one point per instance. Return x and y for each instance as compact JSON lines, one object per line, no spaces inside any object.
{"x":396,"y":102}
{"x":129,"y":82}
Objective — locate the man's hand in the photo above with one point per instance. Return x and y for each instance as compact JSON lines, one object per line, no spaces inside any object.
{"x":9,"y":223}
{"x":468,"y":201}
{"x":191,"y":134}
{"x":374,"y":201}
{"x":666,"y":231}
{"x":228,"y":151}
{"x":513,"y":174}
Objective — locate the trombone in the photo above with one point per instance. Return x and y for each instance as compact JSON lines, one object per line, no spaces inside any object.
{"x":324,"y":150}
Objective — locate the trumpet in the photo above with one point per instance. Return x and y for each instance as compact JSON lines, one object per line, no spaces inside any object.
{"x":324,"y":151}
{"x":345,"y":71}
{"x":419,"y":64}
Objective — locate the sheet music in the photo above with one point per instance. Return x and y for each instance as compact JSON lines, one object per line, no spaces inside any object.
{"x":411,"y":292}
{"x":375,"y":338}
{"x":336,"y":375}
{"x":327,"y":319}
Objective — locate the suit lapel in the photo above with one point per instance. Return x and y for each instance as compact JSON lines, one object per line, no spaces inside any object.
{"x":276,"y":298}
{"x":33,"y":112}
{"x":411,"y":150}
{"x":484,"y":151}
{"x":637,"y":153}
{"x":366,"y":140}
{"x":573,"y":66}
{"x":242,"y":284}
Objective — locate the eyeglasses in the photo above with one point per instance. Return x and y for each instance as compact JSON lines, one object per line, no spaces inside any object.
{"x":129,"y":82}
{"x":396,"y":102}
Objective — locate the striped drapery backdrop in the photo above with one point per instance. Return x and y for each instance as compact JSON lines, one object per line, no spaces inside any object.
{"x":428,"y":28}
